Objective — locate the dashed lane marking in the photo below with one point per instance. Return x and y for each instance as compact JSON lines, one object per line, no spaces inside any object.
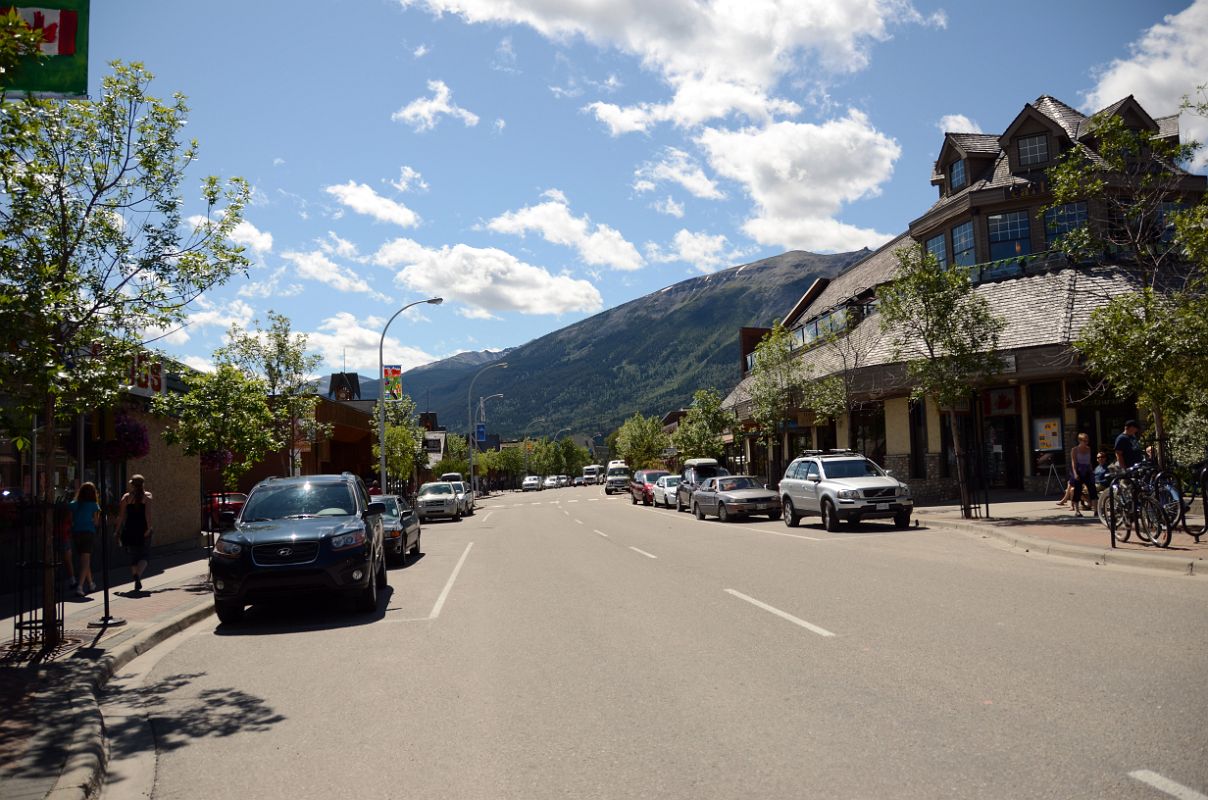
{"x":642,"y":552}
{"x":1166,"y":785}
{"x":809,"y":626}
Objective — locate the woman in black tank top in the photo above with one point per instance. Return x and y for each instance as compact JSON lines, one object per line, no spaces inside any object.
{"x":134,"y":528}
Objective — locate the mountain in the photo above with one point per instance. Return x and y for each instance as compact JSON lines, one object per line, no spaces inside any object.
{"x":648,"y":355}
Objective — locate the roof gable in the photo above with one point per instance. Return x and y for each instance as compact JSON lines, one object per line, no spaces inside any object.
{"x":1035,"y":116}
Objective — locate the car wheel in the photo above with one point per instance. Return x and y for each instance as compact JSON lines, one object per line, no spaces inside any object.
{"x":773,"y":515}
{"x":645,"y":500}
{"x":367,"y":598}
{"x":791,"y":517}
{"x":415,"y":547}
{"x":697,"y":512}
{"x":901,"y":520}
{"x":633,"y":500}
{"x":830,"y":517}
{"x":457,"y":515}
{"x":722,"y":514}
{"x":679,"y":507}
{"x":228,"y":612}
{"x":383,"y":580}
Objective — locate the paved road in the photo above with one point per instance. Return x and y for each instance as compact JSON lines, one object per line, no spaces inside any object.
{"x":564,"y":644}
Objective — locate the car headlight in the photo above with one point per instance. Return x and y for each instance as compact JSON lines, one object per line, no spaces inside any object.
{"x":222,"y":547}
{"x":903,"y":490}
{"x":848,"y":494}
{"x":346,"y":540}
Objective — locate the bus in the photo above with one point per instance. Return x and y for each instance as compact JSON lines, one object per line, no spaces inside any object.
{"x":592,"y":474}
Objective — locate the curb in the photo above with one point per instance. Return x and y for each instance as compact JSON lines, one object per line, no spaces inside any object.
{"x":1097,"y":555}
{"x":87,"y":755}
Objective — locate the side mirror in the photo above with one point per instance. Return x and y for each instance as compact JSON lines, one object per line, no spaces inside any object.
{"x":376,"y":507}
{"x":888,"y":472}
{"x":816,"y":478}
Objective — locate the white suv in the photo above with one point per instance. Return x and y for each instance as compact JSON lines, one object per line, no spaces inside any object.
{"x":842,"y":486}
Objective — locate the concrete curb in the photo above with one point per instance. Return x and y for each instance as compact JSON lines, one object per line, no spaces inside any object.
{"x":1097,"y":555}
{"x":87,"y":755}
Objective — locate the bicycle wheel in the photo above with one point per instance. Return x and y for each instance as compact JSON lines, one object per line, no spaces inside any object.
{"x":1154,"y":522}
{"x":1170,"y":497}
{"x":1113,"y":511}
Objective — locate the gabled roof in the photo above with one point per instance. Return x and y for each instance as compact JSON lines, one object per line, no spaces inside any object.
{"x":1168,"y":127}
{"x":1129,"y":106}
{"x":1055,"y":120}
{"x":1070,"y":120}
{"x":877,"y":268}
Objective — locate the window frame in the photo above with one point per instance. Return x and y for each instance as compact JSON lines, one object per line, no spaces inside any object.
{"x":942,"y":254}
{"x":953,"y":168}
{"x":1023,"y":234}
{"x":972,"y":248}
{"x":1032,"y":159}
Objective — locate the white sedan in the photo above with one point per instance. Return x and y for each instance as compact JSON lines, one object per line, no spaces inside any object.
{"x":551,"y":482}
{"x":664,"y":490}
{"x":531,"y":484}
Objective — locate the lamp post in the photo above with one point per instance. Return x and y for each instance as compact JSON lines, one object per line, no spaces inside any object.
{"x":382,"y":387}
{"x":482,"y":406}
{"x":470,"y":412}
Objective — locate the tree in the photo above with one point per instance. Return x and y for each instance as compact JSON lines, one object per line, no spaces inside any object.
{"x":457,"y":456}
{"x":404,"y":438}
{"x":641,"y":441}
{"x":1141,"y":223}
{"x":699,"y":432}
{"x":278,"y":357}
{"x":224,"y":418}
{"x":18,"y":42}
{"x":778,"y":381}
{"x":844,"y":350}
{"x":94,"y":251}
{"x":946,"y":333}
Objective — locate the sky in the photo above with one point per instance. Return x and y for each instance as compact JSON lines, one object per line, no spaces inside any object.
{"x":535,"y":162}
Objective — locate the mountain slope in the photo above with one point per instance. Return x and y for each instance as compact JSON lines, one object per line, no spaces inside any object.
{"x":648,"y":355}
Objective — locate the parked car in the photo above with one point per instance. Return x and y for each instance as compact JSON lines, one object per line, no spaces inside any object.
{"x":563,"y":480}
{"x":663,"y":493}
{"x":299,"y":535}
{"x":578,"y":481}
{"x":641,"y":487}
{"x":400,"y":528}
{"x":617,"y":478}
{"x":733,"y":496}
{"x":437,"y":500}
{"x":218,"y":503}
{"x":550,"y":482}
{"x":464,"y":497}
{"x":692,"y":475}
{"x":531,"y":483}
{"x":842,"y":487}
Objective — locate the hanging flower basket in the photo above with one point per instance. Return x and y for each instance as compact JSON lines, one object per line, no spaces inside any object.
{"x":130,"y":439}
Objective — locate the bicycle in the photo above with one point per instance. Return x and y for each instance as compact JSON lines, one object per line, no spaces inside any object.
{"x":1196,"y":483}
{"x":1131,"y":504}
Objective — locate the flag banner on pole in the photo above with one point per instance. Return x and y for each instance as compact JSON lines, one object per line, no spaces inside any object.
{"x":62,"y":69}
{"x":392,"y":381}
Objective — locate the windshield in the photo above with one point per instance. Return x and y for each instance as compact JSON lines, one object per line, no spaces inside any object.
{"x":391,"y":504}
{"x":436,"y":488}
{"x":851,"y":468}
{"x":617,"y":471}
{"x":671,"y":480}
{"x":294,"y":500}
{"x":734,"y":484}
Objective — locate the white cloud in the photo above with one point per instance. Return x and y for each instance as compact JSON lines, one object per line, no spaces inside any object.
{"x":500,"y":124}
{"x":669,"y":207}
{"x":364,"y":200}
{"x":505,"y":56}
{"x":800,"y":176}
{"x":676,"y":166}
{"x":339,"y":247}
{"x":424,"y":113}
{"x":598,"y":244}
{"x":248,"y":235}
{"x":487,"y":279}
{"x":316,"y":266}
{"x":278,"y":162}
{"x":409,"y":179}
{"x":270,"y":287}
{"x":206,"y":314}
{"x":1169,"y":61}
{"x":717,"y":57}
{"x":345,"y":338}
{"x":198,"y":363}
{"x":420,"y":51}
{"x":704,"y":252}
{"x":957,"y":123}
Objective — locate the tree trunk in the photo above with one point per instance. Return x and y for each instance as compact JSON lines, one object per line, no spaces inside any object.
{"x":50,"y":623}
{"x":1159,"y":433}
{"x":958,"y":446}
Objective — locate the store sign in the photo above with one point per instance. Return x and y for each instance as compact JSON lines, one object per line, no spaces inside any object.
{"x":1046,"y":434}
{"x":146,"y":376}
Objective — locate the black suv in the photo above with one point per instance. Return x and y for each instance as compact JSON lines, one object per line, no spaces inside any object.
{"x":300,"y":535}
{"x":694,"y":473}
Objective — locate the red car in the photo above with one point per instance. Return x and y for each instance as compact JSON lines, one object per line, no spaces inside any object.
{"x":641,"y":486}
{"x":218,"y":502}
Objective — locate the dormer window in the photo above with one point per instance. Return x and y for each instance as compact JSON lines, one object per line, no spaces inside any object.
{"x":956,"y":175}
{"x":1033,"y":150}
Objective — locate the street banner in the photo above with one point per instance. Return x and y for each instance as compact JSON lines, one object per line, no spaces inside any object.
{"x":62,"y":70}
{"x":392,"y":381}
{"x":480,"y":431}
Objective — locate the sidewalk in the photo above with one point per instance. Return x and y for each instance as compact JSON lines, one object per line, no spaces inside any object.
{"x":51,"y":735}
{"x":1041,"y":526}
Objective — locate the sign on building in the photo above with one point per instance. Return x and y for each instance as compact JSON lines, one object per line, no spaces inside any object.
{"x":62,"y":69}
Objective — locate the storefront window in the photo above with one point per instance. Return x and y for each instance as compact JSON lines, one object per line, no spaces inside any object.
{"x":868,"y":431}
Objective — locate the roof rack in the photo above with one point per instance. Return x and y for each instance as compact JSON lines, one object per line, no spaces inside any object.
{"x":837,"y":451}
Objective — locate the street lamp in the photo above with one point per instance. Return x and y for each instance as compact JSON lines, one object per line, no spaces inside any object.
{"x":382,"y":388}
{"x":470,"y":412}
{"x":482,"y":401}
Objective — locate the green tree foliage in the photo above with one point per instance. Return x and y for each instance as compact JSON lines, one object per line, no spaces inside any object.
{"x":845,"y":349}
{"x":778,"y":381}
{"x":94,"y":249}
{"x":404,"y":438}
{"x":223,"y":417}
{"x":278,"y":357}
{"x":545,"y":458}
{"x":457,"y":456}
{"x":641,"y":441}
{"x":699,"y":432}
{"x":17,"y":42}
{"x":945,"y":332}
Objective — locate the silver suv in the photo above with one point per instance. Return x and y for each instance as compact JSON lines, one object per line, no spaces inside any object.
{"x":842,"y":486}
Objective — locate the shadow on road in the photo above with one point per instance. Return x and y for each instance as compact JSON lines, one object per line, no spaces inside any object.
{"x":317,"y":612}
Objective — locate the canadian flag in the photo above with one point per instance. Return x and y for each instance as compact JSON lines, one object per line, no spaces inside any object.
{"x":58,"y":27}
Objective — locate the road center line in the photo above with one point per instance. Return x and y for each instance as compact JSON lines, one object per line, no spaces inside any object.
{"x":578,"y":522}
{"x":782,"y":614}
{"x":488,"y":516}
{"x":440,"y":601}
{"x":1166,"y":785}
{"x":601,"y":533}
{"x":643,"y":552}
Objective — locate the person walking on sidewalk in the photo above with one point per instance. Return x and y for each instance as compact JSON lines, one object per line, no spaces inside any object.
{"x":1081,"y":472}
{"x":85,"y":516}
{"x":134,"y":528}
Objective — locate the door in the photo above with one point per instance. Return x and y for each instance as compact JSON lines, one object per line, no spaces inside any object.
{"x":1002,"y":452}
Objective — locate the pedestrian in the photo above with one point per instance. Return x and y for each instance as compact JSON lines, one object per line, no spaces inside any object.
{"x":85,"y":517}
{"x":375,"y":488}
{"x":1081,"y":472}
{"x":134,"y":528}
{"x":1127,"y":447}
{"x":1102,"y":476}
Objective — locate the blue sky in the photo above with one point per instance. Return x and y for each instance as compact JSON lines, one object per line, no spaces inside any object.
{"x":535,"y":162}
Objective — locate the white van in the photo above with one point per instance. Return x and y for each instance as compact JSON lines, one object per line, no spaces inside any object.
{"x":452,"y":477}
{"x":592,"y":474}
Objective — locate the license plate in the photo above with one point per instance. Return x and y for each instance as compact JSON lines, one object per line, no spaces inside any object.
{"x":882,"y":506}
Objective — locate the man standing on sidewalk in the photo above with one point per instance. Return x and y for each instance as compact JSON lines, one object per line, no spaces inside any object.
{"x":1128,"y":449}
